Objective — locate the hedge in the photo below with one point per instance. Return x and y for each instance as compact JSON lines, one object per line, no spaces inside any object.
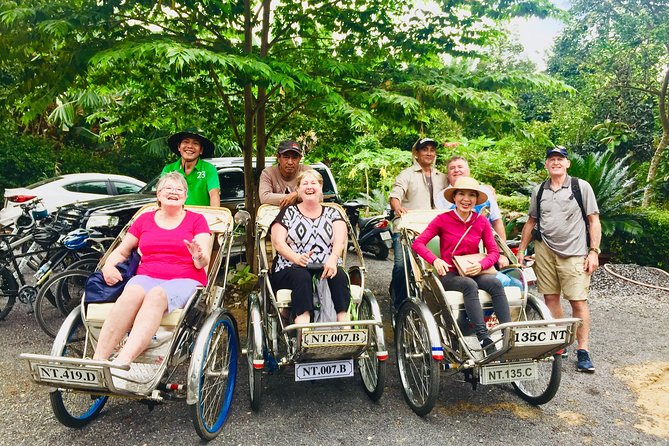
{"x":651,"y":247}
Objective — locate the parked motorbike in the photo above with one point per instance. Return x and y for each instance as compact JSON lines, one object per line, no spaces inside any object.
{"x":373,"y":233}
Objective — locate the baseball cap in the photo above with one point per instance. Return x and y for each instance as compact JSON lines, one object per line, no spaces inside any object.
{"x":425,"y":142}
{"x":557,"y":150}
{"x":290,"y":146}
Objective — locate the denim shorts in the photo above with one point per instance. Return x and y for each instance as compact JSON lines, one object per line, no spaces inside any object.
{"x":178,"y":290}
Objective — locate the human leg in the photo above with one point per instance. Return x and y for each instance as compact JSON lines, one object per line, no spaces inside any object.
{"x":470,"y":292}
{"x":493,"y":286}
{"x":397,"y":282}
{"x":119,"y":321}
{"x":580,"y":309}
{"x":298,"y":280}
{"x":341,"y":294}
{"x":145,"y":325}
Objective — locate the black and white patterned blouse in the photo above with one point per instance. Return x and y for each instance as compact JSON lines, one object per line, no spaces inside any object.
{"x":307,"y":234}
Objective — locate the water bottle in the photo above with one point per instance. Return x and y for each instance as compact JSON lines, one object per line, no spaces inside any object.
{"x":42,"y":270}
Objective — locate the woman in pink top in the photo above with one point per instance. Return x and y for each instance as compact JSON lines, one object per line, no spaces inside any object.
{"x":461,"y":230}
{"x":175,"y":249}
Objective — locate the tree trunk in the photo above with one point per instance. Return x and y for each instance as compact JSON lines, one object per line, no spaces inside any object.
{"x":249,"y":183}
{"x":652,"y":170}
{"x":657,"y":156}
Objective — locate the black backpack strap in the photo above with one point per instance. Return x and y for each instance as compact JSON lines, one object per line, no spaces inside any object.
{"x":540,"y":193}
{"x":576,"y":190}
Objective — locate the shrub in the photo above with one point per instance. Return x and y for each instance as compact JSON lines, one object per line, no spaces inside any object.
{"x":649,"y":248}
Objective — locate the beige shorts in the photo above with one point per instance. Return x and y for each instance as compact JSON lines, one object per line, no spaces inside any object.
{"x":557,"y":274}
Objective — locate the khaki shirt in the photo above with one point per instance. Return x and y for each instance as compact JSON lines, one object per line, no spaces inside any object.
{"x":411,"y":187}
{"x":273,"y":188}
{"x":562,"y":225}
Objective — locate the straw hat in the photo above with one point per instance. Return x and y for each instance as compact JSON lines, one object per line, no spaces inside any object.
{"x":466,"y":183}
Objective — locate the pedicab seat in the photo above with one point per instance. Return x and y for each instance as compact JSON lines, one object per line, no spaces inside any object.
{"x":283,"y":296}
{"x":455,"y":299}
{"x":97,"y":313}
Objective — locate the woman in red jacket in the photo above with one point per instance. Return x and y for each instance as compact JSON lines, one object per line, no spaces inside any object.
{"x":460,"y":231}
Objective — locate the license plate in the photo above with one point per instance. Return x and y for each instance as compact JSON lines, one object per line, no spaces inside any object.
{"x":540,"y":336}
{"x":63,"y":374}
{"x":336,"y":337}
{"x":495,"y":374}
{"x":385,"y":235}
{"x":308,"y":371}
{"x":529,"y":275}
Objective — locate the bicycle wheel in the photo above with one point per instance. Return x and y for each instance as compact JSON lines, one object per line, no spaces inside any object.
{"x":419,"y":372}
{"x":8,"y":291}
{"x":73,"y":409}
{"x":57,"y":297}
{"x":254,"y":354}
{"x":372,"y":371}
{"x":88,"y":263}
{"x":214,"y":366}
{"x":549,"y":371}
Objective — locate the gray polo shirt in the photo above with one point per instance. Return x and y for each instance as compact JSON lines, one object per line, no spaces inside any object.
{"x":562,"y":225}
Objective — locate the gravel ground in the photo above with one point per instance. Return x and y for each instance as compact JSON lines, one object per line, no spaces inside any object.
{"x":628,"y":330}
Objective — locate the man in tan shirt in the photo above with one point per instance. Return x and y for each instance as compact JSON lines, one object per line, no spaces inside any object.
{"x":414,"y":188}
{"x":278,"y":183}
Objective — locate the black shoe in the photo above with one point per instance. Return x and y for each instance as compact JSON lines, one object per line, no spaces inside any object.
{"x":488,"y":346}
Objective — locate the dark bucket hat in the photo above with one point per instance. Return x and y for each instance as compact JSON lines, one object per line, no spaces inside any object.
{"x":207,"y":146}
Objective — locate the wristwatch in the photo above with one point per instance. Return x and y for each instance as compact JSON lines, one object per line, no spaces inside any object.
{"x":597,"y":250}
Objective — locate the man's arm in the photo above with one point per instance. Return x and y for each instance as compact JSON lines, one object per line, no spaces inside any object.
{"x":525,"y":238}
{"x":215,"y":198}
{"x":397,"y":193}
{"x":498,"y":227}
{"x":265,"y":190}
{"x":592,"y":260}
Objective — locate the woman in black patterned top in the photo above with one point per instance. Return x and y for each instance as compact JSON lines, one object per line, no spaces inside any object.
{"x":305,"y":233}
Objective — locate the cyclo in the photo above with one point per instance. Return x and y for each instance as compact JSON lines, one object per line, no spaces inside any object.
{"x":202,"y":332}
{"x":433,"y":334}
{"x":317,"y":350}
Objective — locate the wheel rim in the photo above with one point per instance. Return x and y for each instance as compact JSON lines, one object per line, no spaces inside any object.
{"x":250,"y":354}
{"x":8,"y":291}
{"x":369,"y":363}
{"x":547,"y":380}
{"x":75,"y":408}
{"x":414,"y":357}
{"x":57,"y":298}
{"x":537,"y":387}
{"x":217,"y":376}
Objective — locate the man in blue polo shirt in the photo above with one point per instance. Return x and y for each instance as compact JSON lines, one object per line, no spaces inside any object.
{"x":204,"y":188}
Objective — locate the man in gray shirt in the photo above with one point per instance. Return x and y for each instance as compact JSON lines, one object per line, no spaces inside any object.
{"x":564,"y":262}
{"x":278,"y":183}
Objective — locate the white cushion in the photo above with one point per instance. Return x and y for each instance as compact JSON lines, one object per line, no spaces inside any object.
{"x":97,"y":313}
{"x":283,"y":297}
{"x":356,"y":294}
{"x":456,"y":300}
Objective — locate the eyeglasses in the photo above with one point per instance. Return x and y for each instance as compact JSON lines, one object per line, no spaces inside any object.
{"x":174,"y":190}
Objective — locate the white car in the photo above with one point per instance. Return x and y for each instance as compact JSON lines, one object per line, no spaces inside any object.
{"x":66,"y":189}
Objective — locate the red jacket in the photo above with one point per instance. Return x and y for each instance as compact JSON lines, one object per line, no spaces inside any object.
{"x":450,"y":227}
